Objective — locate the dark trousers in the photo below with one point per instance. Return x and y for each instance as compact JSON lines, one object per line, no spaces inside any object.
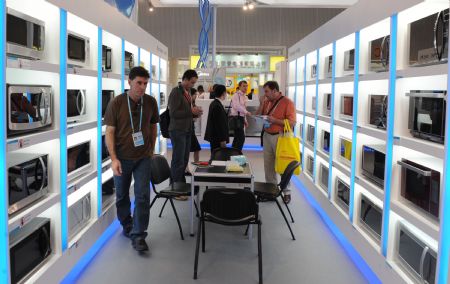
{"x":213,"y":145}
{"x":181,"y":146}
{"x":140,"y":170}
{"x":239,"y":136}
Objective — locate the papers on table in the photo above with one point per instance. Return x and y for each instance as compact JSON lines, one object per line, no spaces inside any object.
{"x":218,"y":163}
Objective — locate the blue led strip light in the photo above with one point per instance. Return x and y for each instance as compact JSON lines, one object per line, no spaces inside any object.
{"x":151,"y":76}
{"x":4,"y":243}
{"x":63,"y":123}
{"x":304,"y":114}
{"x":352,"y":253}
{"x":139,"y":57}
{"x":355,"y":127}
{"x":316,"y":115}
{"x":389,"y":134}
{"x":331,"y":148}
{"x":122,"y":69}
{"x":295,"y":93}
{"x":99,"y":122}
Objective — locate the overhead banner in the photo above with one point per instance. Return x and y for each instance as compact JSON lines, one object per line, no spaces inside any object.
{"x":126,"y":7}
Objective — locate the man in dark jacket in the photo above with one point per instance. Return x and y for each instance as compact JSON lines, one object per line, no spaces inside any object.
{"x":217,"y":126}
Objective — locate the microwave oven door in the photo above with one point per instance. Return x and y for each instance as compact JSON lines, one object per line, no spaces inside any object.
{"x":324,"y":177}
{"x":342,"y":194}
{"x":76,"y":105}
{"x":79,"y":215}
{"x":29,"y":108}
{"x":78,"y":160}
{"x":371,"y":216}
{"x":347,"y":108}
{"x":77,"y":50}
{"x":106,"y":58}
{"x":378,"y":111}
{"x":107,"y":96}
{"x":108,"y":187}
{"x":379,"y":54}
{"x":105,"y":153}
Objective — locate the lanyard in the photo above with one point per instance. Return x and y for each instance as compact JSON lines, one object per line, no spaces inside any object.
{"x":131,"y":117}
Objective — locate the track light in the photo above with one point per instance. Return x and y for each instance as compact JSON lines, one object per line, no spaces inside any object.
{"x":150,"y":6}
{"x":251,"y":6}
{"x":245,"y":7}
{"x":248,"y":5}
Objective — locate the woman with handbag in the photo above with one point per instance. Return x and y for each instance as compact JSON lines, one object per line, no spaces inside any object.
{"x":217,"y":125}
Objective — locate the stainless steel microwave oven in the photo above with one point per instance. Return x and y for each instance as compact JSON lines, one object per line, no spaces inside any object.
{"x":78,"y":50}
{"x":79,"y":215}
{"x":25,"y":35}
{"x":309,"y":165}
{"x":27,"y":179}
{"x":379,"y":54}
{"x":76,"y":105}
{"x":342,"y":194}
{"x":373,"y":163}
{"x":378,"y":105}
{"x":310,"y":134}
{"x":327,"y":104}
{"x":323,"y":177}
{"x":346,"y":107}
{"x":106,"y":58}
{"x":325,"y":141}
{"x":78,"y":160}
{"x":129,"y":62}
{"x":349,"y":60}
{"x":371,"y":216}
{"x":29,"y":108}
{"x":328,"y":66}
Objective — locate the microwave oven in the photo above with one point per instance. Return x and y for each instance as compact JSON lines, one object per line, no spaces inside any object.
{"x":76,"y":105}
{"x":129,"y":62}
{"x":378,"y":105}
{"x":79,"y":215}
{"x":373,"y":163}
{"x":25,"y":35}
{"x":415,"y":257}
{"x":323,"y":177}
{"x":428,"y":39}
{"x":309,"y":165}
{"x":349,"y":60}
{"x":313,"y":103}
{"x":78,"y":160}
{"x":347,"y":107}
{"x":328,"y":66}
{"x":326,"y":141}
{"x":27,"y":179}
{"x":421,"y":186}
{"x":29,"y":247}
{"x":345,"y":150}
{"x":371,"y":217}
{"x":342,"y":194}
{"x":107,"y":96}
{"x":108,"y":188}
{"x":105,"y":153}
{"x":106,"y":58}
{"x":427,"y":115}
{"x":379,"y":54}
{"x":78,"y":50}
{"x":313,"y":71}
{"x":327,"y":104}
{"x":310,"y":134}
{"x":29,"y":108}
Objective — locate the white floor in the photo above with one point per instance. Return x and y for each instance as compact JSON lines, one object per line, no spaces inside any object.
{"x":315,"y":257}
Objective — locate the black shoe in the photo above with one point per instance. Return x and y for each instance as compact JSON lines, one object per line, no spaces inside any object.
{"x":127,"y":230}
{"x":139,"y":244}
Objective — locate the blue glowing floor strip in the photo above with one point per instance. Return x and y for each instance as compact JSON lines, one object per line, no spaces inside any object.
{"x":331,"y":153}
{"x":92,"y":252}
{"x":389,"y":135}
{"x":359,"y":262}
{"x":63,"y":124}
{"x":122,"y":69}
{"x":4,"y":243}
{"x":316,"y":113}
{"x":355,"y":128}
{"x":206,"y":146}
{"x":304,"y":115}
{"x":99,"y":122}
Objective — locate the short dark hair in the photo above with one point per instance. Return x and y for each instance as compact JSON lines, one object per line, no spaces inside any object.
{"x":273,"y":85}
{"x":242,"y":82}
{"x":219,"y":90}
{"x":193,"y":91}
{"x":138,"y":71}
{"x":189,"y":74}
{"x":200,"y":88}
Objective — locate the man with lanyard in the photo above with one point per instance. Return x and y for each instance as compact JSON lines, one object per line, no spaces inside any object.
{"x":181,"y":113}
{"x":238,"y":113}
{"x":131,"y":120}
{"x":277,"y":108}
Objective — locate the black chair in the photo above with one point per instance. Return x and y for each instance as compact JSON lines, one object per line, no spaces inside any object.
{"x":229,"y":207}
{"x":224,"y":154}
{"x":270,"y":192}
{"x":160,"y":172}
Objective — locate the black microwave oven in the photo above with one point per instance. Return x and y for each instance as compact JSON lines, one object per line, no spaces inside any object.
{"x":427,"y":115}
{"x":373,"y":163}
{"x":78,"y":159}
{"x":378,"y":105}
{"x":108,"y":188}
{"x":342,"y":194}
{"x":106,"y":58}
{"x":428,"y":39}
{"x":78,"y":50}
{"x":105,"y":153}
{"x":371,"y":216}
{"x":349,"y":60}
{"x":379,"y":54}
{"x":327,"y":104}
{"x":107,"y":96}
{"x":326,"y":141}
{"x":347,"y":107}
{"x":27,"y":179}
{"x":29,"y":247}
{"x":29,"y":108}
{"x":129,"y":62}
{"x":76,"y":105}
{"x":309,"y":165}
{"x":421,"y":186}
{"x":25,"y":35}
{"x":323,"y":177}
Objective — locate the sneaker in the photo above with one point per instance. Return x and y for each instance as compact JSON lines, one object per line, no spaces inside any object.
{"x":287,"y":198}
{"x":127,"y":230}
{"x":139,"y":244}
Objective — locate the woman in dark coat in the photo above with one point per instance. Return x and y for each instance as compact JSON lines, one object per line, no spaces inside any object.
{"x":217,"y":126}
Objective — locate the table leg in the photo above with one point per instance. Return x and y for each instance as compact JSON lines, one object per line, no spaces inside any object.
{"x":192,"y":207}
{"x":250,"y":230}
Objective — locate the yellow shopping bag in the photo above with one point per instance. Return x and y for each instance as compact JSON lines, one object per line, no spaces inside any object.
{"x":288,"y":150}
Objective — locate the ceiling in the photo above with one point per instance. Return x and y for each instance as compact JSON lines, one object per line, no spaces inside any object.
{"x":261,"y":3}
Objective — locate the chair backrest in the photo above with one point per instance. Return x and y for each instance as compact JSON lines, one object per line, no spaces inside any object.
{"x":224,"y":154}
{"x":287,"y":175}
{"x":159,"y":169}
{"x":230,"y":205}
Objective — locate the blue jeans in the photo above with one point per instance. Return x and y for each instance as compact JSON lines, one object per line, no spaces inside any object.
{"x":140,"y":170}
{"x":181,"y":146}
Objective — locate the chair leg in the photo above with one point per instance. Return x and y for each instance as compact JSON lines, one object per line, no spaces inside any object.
{"x":178,"y":220}
{"x":260,"y":268}
{"x":153,"y":201}
{"x":246,"y":230}
{"x":162,"y":209}
{"x":197,"y":248}
{"x":196,"y":208}
{"x":289,"y":211}
{"x":203,"y":236}
{"x":285,"y":219}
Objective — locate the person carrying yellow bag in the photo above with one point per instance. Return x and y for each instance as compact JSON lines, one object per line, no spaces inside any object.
{"x":288,"y":150}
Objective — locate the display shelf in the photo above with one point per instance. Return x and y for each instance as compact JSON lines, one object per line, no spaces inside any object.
{"x":322,"y":154}
{"x":325,"y":81}
{"x":21,"y":142}
{"x":51,"y":260}
{"x":427,"y":147}
{"x":73,"y":70}
{"x":344,"y":79}
{"x":373,"y":132}
{"x":33,"y":65}
{"x":370,"y":187}
{"x":299,"y":112}
{"x":111,"y":75}
{"x":309,"y":147}
{"x":324,"y":118}
{"x":344,"y":124}
{"x":422,"y":71}
{"x":365,"y":233}
{"x":416,"y":218}
{"x":35,"y":209}
{"x":79,"y":182}
{"x":374,"y":76}
{"x":311,"y":82}
{"x":80,"y":126}
{"x":340,"y":167}
{"x":312,"y":115}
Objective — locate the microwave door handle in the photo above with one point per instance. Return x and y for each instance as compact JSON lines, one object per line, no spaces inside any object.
{"x":46,"y":107}
{"x":414,"y":169}
{"x":422,"y":262}
{"x":48,"y":250}
{"x":83,"y":99}
{"x":87,"y":204}
{"x":44,"y":173}
{"x":76,"y":102}
{"x":436,"y":25}
{"x":383,"y":62}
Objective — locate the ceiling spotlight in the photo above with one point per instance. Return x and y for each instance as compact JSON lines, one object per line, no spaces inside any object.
{"x":245,"y":7}
{"x":150,"y":6}
{"x":251,"y":6}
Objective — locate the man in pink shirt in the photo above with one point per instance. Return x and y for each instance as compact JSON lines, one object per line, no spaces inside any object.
{"x":239,"y":113}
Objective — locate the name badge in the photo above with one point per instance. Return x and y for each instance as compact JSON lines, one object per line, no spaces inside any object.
{"x":138,"y":139}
